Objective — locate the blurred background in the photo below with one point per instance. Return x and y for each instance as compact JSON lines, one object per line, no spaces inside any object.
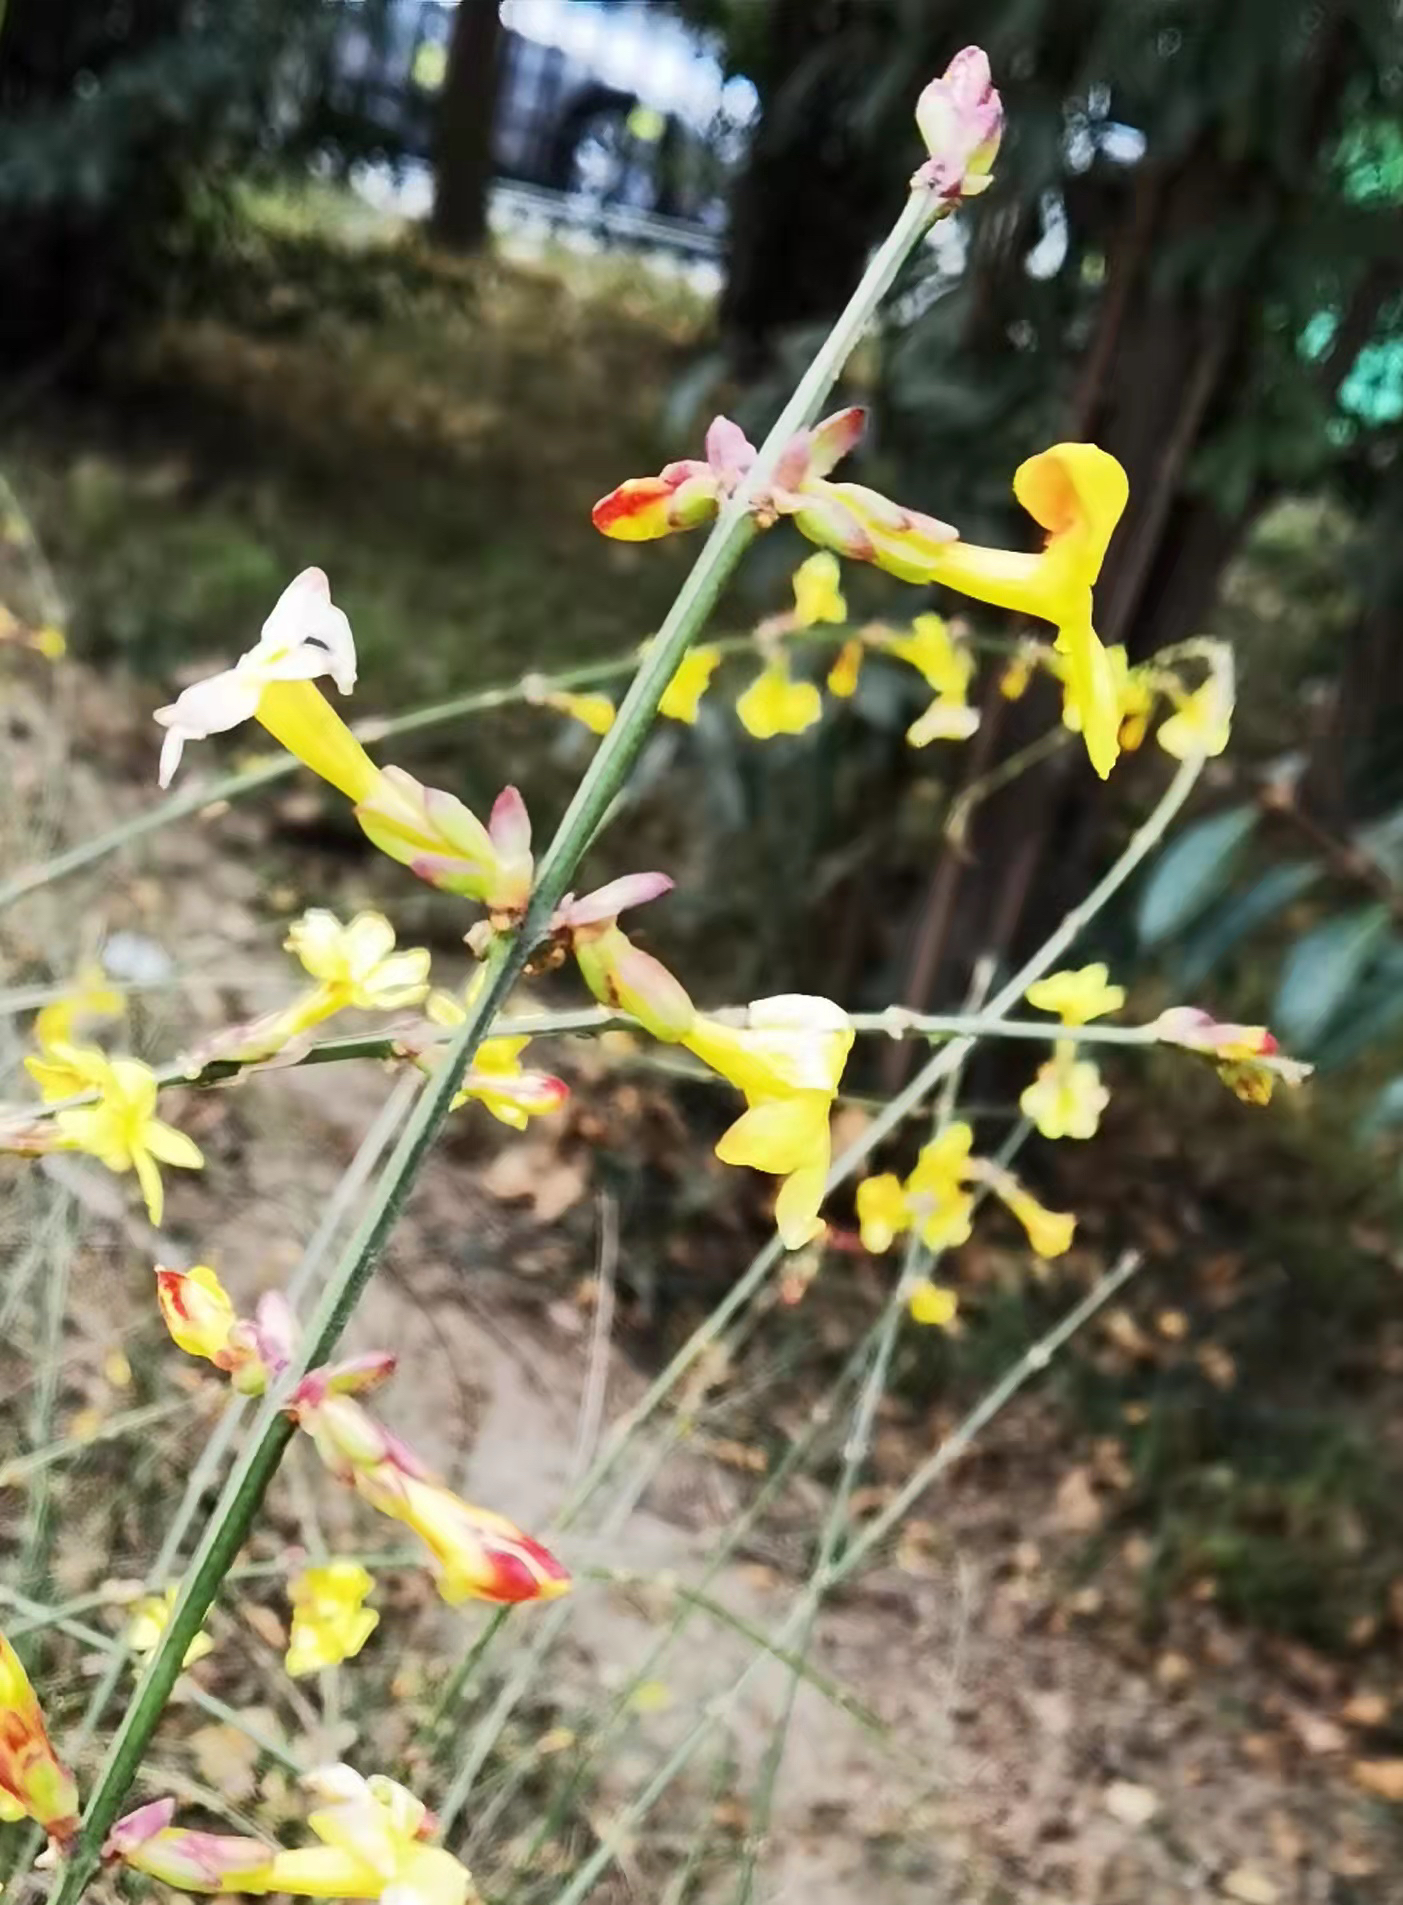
{"x":400,"y":287}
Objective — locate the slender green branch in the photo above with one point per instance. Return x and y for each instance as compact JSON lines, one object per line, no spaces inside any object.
{"x":128,"y":1422}
{"x":243,"y":1492}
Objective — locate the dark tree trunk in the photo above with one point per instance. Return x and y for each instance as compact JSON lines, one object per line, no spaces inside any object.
{"x":814,"y":197}
{"x":465,"y":112}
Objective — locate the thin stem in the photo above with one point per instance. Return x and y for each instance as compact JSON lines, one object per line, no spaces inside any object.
{"x":244,"y":1490}
{"x":128,"y":1422}
{"x":1032,"y":1363}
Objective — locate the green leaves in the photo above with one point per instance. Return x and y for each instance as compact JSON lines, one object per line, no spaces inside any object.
{"x":1191,"y":875}
{"x":1321,"y":973}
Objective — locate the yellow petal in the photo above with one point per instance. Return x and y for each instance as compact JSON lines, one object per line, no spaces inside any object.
{"x":683,"y":695}
{"x":882,"y":1212}
{"x":932,"y":1304}
{"x":818,"y":596}
{"x":594,"y":711}
{"x":779,"y":1136}
{"x":775,"y":703}
{"x":847,"y":667}
{"x":1090,"y":688}
{"x":1077,"y":996}
{"x":799,"y":1201}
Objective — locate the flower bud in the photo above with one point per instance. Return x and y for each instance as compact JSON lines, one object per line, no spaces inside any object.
{"x":34,"y":1783}
{"x":481,"y":1556}
{"x":444,"y":843}
{"x":961,"y":120}
{"x":621,"y":975}
{"x":191,"y":1861}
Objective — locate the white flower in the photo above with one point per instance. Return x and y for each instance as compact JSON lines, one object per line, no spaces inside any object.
{"x":305,"y":636}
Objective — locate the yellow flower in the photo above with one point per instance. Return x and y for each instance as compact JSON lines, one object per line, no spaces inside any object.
{"x":357,"y":964}
{"x":1066,"y":1098}
{"x":34,"y":1784}
{"x":818,"y":594}
{"x":150,"y":1618}
{"x":64,"y":1068}
{"x":775,"y":703}
{"x":1135,"y":699}
{"x":329,"y":1622}
{"x":305,"y":636}
{"x":788,"y":1060}
{"x":372,"y":1833}
{"x":947,"y":667}
{"x":932,"y":1304}
{"x":1203,"y":722}
{"x":1077,"y":493}
{"x":1050,"y":1232}
{"x":933,"y":1201}
{"x":847,"y":667}
{"x":496,"y":1078}
{"x":594,"y":711}
{"x":123,"y":1132}
{"x":682,"y":696}
{"x":937,"y":1203}
{"x":1077,"y":997}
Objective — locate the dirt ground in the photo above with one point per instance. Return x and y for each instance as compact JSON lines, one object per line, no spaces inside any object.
{"x":1039,"y":1748}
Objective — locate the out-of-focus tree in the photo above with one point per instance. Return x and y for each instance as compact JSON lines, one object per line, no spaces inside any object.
{"x":1194,"y":241}
{"x":463,"y":156}
{"x":115,"y":120}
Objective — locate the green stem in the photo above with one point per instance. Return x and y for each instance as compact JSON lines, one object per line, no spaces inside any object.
{"x":248,"y":1481}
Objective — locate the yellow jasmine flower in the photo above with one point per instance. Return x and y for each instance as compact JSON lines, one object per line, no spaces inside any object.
{"x":936,"y":1201}
{"x":1077,"y":493}
{"x":34,"y":1783}
{"x":682,"y":696}
{"x":933,"y":1201}
{"x":373,"y":1835}
{"x":775,"y":703}
{"x":932,"y":1304}
{"x":150,"y":1618}
{"x":196,"y":1309}
{"x":1203,"y":723}
{"x":496,"y":1078}
{"x":594,"y":711}
{"x":329,"y":1622}
{"x":305,"y":636}
{"x":122,"y":1130}
{"x":947,"y":667}
{"x":1066,"y":1098}
{"x":818,"y":595}
{"x":63,"y":1068}
{"x":788,"y":1060}
{"x":357,"y":964}
{"x":1078,"y":996}
{"x":847,"y":667}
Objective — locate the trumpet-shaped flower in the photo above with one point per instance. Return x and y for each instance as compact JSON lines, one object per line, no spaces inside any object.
{"x":58,"y":1070}
{"x":150,"y":1618}
{"x":788,"y":1060}
{"x":961,"y":120}
{"x":444,"y":843}
{"x":202,"y":1321}
{"x":844,"y":517}
{"x":357,"y":964}
{"x":818,"y":591}
{"x":373,"y":1835}
{"x":123,"y":1132}
{"x":682,"y":697}
{"x":477,"y":1555}
{"x":305,"y":636}
{"x":616,"y":971}
{"x":937,"y":1203}
{"x":1077,"y":493}
{"x":1248,"y":1059}
{"x":1066,"y":1098}
{"x":1078,"y":996}
{"x":1203,"y":721}
{"x":496,"y":1078}
{"x":775,"y":703}
{"x":330,"y":1622}
{"x":34,"y":1783}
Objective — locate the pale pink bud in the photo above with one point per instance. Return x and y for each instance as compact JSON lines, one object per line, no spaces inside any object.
{"x":961,"y":120}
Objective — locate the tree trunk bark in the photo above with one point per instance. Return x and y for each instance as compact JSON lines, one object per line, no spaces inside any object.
{"x":463,"y":159}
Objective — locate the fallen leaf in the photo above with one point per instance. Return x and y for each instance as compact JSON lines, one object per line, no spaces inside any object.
{"x":536,"y":1174}
{"x":265,"y":1623}
{"x":1076,"y":1509}
{"x":1251,"y":1887}
{"x":1316,"y":1732}
{"x":1132,"y":1805}
{"x":1365,"y":1709}
{"x":1381,"y":1777}
{"x":226,"y":1759}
